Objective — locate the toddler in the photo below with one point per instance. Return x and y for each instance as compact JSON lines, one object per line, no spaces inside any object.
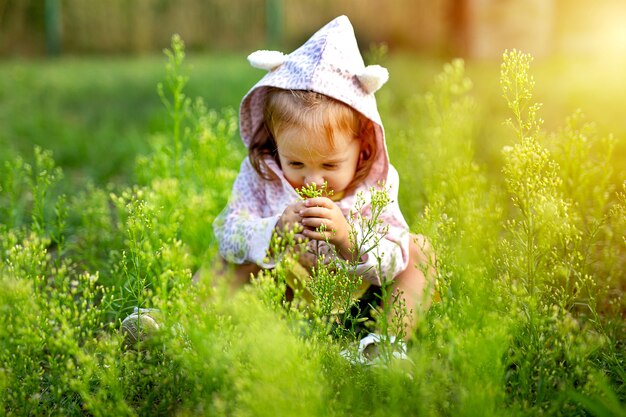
{"x":312,"y":119}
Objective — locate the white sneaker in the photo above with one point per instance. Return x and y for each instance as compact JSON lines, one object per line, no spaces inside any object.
{"x":375,"y":349}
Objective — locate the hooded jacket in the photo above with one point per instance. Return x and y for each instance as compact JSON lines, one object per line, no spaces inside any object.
{"x":328,"y":63}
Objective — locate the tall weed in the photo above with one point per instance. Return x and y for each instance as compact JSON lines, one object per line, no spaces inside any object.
{"x":545,"y":255}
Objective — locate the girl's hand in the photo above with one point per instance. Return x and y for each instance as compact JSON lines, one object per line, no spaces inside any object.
{"x":307,"y":259}
{"x":323,"y":220}
{"x":290,"y":218}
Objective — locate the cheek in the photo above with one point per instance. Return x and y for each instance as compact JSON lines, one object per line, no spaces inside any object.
{"x":344,"y":177}
{"x":288,"y":172}
{"x":292,"y":178}
{"x":352,"y":168}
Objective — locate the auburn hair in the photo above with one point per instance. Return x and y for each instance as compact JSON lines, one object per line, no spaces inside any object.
{"x":314,"y":112}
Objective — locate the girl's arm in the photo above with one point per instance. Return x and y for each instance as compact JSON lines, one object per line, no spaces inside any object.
{"x":242,"y":229}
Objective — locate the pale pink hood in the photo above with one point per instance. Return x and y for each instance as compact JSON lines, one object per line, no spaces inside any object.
{"x":328,"y":63}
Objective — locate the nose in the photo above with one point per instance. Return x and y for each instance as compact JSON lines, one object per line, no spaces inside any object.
{"x":314,"y":178}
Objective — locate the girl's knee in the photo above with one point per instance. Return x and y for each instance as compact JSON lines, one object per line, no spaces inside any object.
{"x":420,"y":250}
{"x":241,"y":274}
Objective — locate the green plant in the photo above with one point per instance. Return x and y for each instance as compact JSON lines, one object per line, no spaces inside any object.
{"x":546,"y":254}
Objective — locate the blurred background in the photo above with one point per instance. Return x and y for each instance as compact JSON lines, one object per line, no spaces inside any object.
{"x":469,"y":28}
{"x":79,"y":77}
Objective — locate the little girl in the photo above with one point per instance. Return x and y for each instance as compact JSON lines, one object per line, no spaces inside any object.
{"x":313,"y":120}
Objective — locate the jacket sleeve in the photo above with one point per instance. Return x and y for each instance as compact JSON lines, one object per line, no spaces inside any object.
{"x":391,"y":255}
{"x":242,"y":231}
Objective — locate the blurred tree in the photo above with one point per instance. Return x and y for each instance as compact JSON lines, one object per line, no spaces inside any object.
{"x":22,"y":27}
{"x":274,"y":19}
{"x":458,"y":29}
{"x":53,"y":27}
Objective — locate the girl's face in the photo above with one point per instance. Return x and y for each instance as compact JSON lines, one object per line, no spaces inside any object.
{"x":307,"y":157}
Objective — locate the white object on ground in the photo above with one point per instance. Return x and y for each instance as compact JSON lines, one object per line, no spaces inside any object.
{"x":369,"y":352}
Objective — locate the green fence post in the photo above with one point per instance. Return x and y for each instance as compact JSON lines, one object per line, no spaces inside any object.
{"x":274,"y":22}
{"x":53,"y":27}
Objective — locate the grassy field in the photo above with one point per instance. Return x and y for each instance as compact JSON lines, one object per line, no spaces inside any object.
{"x":84,"y":109}
{"x":107,"y":203}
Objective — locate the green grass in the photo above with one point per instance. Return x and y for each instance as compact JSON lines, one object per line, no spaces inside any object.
{"x":97,"y":114}
{"x":527,"y":221}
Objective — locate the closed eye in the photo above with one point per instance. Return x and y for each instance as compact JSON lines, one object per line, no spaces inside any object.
{"x":330,"y":166}
{"x":295,"y":164}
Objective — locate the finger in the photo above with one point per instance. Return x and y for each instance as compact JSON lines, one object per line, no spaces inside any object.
{"x":293,"y":210}
{"x":315,"y":212}
{"x":292,"y":226}
{"x":297,"y":207}
{"x":319,"y":202}
{"x":314,"y":222}
{"x":312,"y":235}
{"x":319,"y":234}
{"x":299,"y":238}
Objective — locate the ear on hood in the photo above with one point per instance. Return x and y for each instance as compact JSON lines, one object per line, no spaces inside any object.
{"x":266,"y":60}
{"x":372,"y":77}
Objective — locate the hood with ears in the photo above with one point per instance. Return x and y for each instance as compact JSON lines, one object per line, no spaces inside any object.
{"x":328,"y":63}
